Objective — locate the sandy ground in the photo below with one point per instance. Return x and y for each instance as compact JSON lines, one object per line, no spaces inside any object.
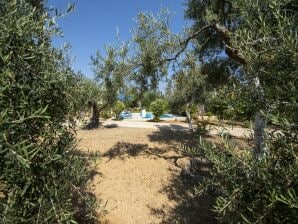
{"x":138,"y":178}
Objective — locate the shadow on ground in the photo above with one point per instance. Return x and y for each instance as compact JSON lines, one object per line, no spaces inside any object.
{"x":92,"y":125}
{"x":123,"y":150}
{"x":188,"y":208}
{"x":173,"y":134}
{"x":111,"y":126}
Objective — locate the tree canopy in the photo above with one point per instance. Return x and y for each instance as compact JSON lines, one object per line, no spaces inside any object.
{"x":42,"y":177}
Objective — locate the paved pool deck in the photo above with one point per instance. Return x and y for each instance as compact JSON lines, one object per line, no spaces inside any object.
{"x":174,"y":126}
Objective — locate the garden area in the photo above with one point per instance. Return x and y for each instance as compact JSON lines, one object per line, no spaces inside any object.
{"x":198,"y":125}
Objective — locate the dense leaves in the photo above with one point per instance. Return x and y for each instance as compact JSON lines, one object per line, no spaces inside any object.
{"x":153,"y":42}
{"x":158,"y":107}
{"x":42,"y":178}
{"x":250,"y":188}
{"x":119,"y":107}
{"x":232,"y":102}
{"x":110,"y":73}
{"x":251,"y":191}
{"x":148,"y":98}
{"x":188,"y":85}
{"x":267,"y":38}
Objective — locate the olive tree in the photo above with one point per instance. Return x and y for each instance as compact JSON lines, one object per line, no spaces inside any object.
{"x":152,"y":41}
{"x":42,"y":177}
{"x":111,"y":72}
{"x":188,"y":88}
{"x":259,"y":186}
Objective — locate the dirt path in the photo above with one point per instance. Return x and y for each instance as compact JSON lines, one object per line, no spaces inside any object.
{"x":138,"y":177}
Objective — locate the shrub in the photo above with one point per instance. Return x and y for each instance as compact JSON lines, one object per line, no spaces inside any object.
{"x":147,"y":99}
{"x":209,"y":114}
{"x":231,"y":102}
{"x":106,"y":114}
{"x":260,"y":186}
{"x":158,"y":107}
{"x":119,"y":107}
{"x":42,"y":176}
{"x":255,"y":191}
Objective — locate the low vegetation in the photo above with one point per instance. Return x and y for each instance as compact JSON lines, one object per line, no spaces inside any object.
{"x":158,"y":107}
{"x":119,"y":107}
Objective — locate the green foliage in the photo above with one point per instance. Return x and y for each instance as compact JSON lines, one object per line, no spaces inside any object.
{"x":138,"y":65}
{"x":251,"y":191}
{"x":202,"y":127}
{"x":231,"y":102}
{"x":106,"y":113}
{"x":148,"y":98}
{"x":208,"y":44}
{"x":111,"y":72}
{"x":119,"y":107}
{"x":132,"y":101}
{"x":87,"y":90}
{"x":158,"y":107}
{"x":267,"y":39}
{"x":188,"y":87}
{"x":42,"y":176}
{"x":153,"y":41}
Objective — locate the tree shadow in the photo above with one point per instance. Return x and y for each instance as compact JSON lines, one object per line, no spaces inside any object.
{"x":123,"y":150}
{"x":92,"y":125}
{"x":189,"y":208}
{"x":173,"y":135}
{"x":111,"y":126}
{"x":242,"y":143}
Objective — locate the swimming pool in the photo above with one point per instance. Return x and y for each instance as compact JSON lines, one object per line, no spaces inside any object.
{"x":167,"y":116}
{"x":125,"y":114}
{"x":150,"y":115}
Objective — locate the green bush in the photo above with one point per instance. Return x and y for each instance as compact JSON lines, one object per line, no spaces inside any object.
{"x":209,"y":114}
{"x":231,"y":102}
{"x":119,"y":107}
{"x":254,"y":187}
{"x":42,"y":176}
{"x":158,"y":107}
{"x":106,"y":114}
{"x":147,"y":99}
{"x":202,"y":127}
{"x":255,"y":191}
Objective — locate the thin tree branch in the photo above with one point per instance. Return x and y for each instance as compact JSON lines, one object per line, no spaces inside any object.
{"x":185,"y":43}
{"x":224,"y":35}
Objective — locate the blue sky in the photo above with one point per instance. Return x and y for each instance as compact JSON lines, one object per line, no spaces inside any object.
{"x":94,"y":22}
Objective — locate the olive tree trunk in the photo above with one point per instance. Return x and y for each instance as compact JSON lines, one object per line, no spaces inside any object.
{"x":189,"y":117}
{"x":259,"y":123}
{"x":259,"y":135}
{"x":94,"y":120}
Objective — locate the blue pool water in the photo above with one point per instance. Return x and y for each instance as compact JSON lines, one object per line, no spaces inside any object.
{"x":125,"y":114}
{"x":167,"y":116}
{"x":150,"y":115}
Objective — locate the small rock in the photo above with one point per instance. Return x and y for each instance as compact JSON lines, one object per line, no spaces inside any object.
{"x":184,"y":163}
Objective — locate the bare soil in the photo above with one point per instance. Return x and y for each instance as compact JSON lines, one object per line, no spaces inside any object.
{"x":138,"y":179}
